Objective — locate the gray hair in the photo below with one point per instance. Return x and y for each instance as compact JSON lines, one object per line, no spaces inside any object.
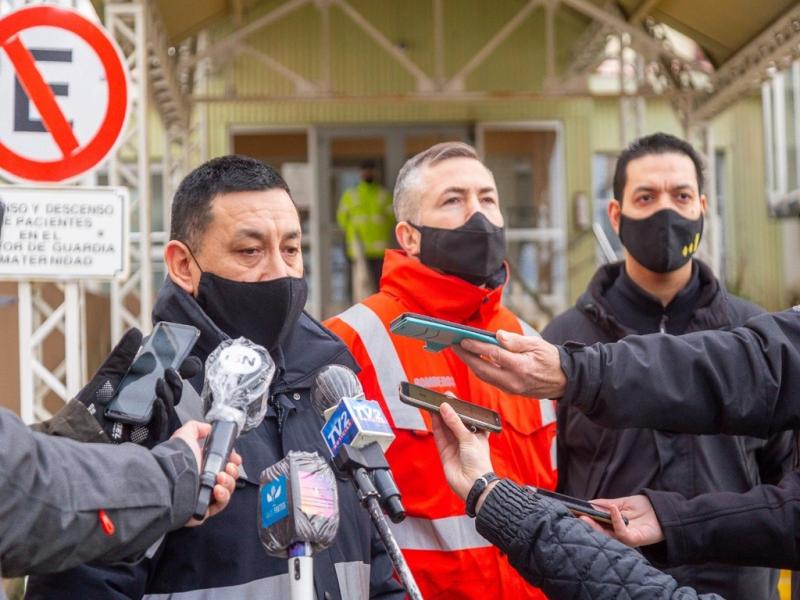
{"x":406,"y":188}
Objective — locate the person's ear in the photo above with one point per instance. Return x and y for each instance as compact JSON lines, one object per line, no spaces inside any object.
{"x":703,"y":204}
{"x":408,"y":237}
{"x":182,"y":268}
{"x":614,"y":214}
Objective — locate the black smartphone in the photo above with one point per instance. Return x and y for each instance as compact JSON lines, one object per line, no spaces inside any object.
{"x":579,"y":508}
{"x":166,"y":347}
{"x":471,"y":414}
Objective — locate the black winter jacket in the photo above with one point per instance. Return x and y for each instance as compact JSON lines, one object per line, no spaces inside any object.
{"x":564,"y":558}
{"x":596,"y":462}
{"x":223,"y":558}
{"x":743,"y":382}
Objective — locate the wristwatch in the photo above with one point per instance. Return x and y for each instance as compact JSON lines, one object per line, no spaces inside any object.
{"x":477,"y":489}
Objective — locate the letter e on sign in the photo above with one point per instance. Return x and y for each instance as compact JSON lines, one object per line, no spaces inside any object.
{"x":63,"y":94}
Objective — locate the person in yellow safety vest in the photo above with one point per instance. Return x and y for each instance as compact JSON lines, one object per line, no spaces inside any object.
{"x":366,"y":216}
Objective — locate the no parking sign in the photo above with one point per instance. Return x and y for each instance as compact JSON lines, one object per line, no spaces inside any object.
{"x":63,"y":94}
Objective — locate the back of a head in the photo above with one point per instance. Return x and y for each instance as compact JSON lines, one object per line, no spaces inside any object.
{"x":657,"y":143}
{"x":406,"y":192}
{"x":191,"y":205}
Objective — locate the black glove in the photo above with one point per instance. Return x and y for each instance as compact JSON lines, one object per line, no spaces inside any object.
{"x":103,"y":386}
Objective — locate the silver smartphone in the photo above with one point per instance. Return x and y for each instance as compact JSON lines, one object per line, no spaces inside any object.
{"x":471,"y":414}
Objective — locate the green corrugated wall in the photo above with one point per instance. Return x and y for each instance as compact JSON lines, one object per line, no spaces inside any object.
{"x":359,"y":68}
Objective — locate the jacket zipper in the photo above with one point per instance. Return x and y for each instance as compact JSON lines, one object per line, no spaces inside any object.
{"x":662,"y":326}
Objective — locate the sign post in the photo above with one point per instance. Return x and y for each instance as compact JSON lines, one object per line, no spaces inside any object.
{"x":64,"y":105}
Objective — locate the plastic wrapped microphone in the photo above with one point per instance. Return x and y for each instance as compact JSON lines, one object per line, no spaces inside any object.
{"x":299,"y":503}
{"x":298,"y":515}
{"x":237,"y":378}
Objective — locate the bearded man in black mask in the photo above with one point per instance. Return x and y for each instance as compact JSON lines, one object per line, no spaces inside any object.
{"x":660,"y":287}
{"x":236,"y":269}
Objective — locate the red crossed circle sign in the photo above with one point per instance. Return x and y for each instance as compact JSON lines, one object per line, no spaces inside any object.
{"x":76,"y":159}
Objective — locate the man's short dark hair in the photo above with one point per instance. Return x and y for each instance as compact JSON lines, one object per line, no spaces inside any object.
{"x":658,"y":143}
{"x":191,"y":206}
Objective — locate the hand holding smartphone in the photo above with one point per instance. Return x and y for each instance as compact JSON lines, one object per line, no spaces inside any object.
{"x":578,"y":507}
{"x":165,"y":348}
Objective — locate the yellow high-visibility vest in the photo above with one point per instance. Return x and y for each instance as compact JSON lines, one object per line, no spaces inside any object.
{"x":366,"y":216}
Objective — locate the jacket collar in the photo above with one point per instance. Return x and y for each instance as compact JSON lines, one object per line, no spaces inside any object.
{"x":423,"y":290}
{"x":309,"y":347}
{"x":711,"y":311}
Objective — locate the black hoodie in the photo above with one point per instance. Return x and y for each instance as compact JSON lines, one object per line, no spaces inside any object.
{"x":595,"y":462}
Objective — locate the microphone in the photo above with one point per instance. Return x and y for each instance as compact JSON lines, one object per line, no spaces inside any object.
{"x":356,"y":432}
{"x":237,"y":377}
{"x":298,"y":515}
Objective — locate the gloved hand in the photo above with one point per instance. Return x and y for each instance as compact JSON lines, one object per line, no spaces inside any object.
{"x":101,"y":389}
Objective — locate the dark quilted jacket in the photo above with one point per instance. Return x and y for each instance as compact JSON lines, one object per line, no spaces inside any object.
{"x":566,"y":559}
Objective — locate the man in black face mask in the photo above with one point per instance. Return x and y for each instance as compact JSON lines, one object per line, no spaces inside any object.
{"x":658,"y":212}
{"x":236,"y":269}
{"x":450,"y":266}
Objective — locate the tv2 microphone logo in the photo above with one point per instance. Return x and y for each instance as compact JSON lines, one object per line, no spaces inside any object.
{"x":371,"y":415}
{"x":338,"y":430}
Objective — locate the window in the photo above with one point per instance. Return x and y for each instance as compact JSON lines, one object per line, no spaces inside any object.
{"x":780,"y":96}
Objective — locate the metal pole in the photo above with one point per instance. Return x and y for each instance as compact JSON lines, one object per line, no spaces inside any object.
{"x":72,"y":338}
{"x":26,"y":383}
{"x":369,"y":499}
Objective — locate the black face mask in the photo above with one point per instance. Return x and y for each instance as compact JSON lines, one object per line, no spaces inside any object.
{"x":474,"y":252}
{"x":663,"y":242}
{"x":264,"y":311}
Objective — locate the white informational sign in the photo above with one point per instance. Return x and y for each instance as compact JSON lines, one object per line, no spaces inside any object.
{"x":56,"y":233}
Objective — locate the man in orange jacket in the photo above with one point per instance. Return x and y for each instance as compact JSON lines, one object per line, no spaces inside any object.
{"x":450,"y":266}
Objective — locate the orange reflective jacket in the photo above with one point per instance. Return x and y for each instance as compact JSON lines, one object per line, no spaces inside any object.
{"x":448,"y":557}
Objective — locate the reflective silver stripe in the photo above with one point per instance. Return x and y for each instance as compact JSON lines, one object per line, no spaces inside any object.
{"x":447,"y":534}
{"x":353,"y":579}
{"x":276,"y":586}
{"x":528,"y":329}
{"x":554,"y":455}
{"x":548,"y":411}
{"x":387,"y":364}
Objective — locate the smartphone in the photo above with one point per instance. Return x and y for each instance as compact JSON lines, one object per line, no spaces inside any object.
{"x":579,"y":508}
{"x":166,"y":347}
{"x":471,"y":414}
{"x":437,"y":333}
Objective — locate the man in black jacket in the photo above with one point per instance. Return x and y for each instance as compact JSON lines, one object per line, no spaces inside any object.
{"x":235,"y":269}
{"x":742,"y":382}
{"x":658,"y":213}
